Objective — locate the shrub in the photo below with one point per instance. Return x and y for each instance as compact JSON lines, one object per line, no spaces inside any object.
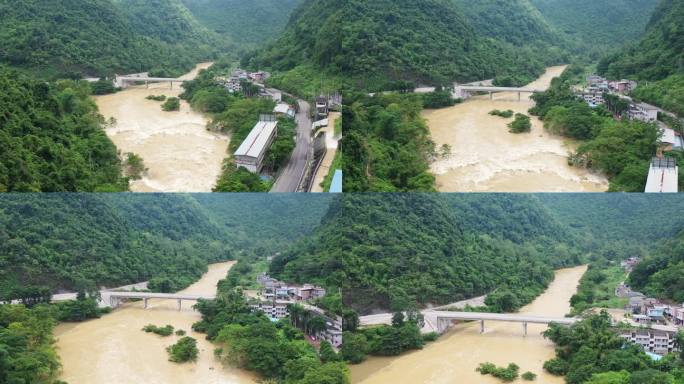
{"x":184,"y":350}
{"x":156,"y":98}
{"x":180,"y":332}
{"x":521,"y":124}
{"x":529,"y":376}
{"x":171,"y":104}
{"x":507,"y":374}
{"x":505,"y":114}
{"x":161,"y":331}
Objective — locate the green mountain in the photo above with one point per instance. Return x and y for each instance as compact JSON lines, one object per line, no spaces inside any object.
{"x":245,"y":24}
{"x":51,"y":138}
{"x":515,"y":21}
{"x":597,"y":25}
{"x":662,"y":273}
{"x":373,"y":43}
{"x":68,"y":241}
{"x":658,"y":58}
{"x":100,"y":37}
{"x":381,"y":249}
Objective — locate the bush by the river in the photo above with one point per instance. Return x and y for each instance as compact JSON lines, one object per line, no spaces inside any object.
{"x":156,"y":97}
{"x":506,"y":114}
{"x":521,"y":124}
{"x":507,"y":374}
{"x":171,"y":104}
{"x":184,"y":350}
{"x":166,"y":330}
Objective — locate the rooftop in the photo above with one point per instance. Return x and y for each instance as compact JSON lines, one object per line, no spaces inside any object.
{"x":258,"y":138}
{"x":663,"y":176}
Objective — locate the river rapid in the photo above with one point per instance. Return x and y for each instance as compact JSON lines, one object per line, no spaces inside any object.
{"x":487,"y":158}
{"x":178,"y":151}
{"x":114,"y":349}
{"x":453,"y":358}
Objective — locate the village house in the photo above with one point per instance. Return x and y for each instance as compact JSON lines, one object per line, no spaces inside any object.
{"x":274,"y":289}
{"x":259,"y":76}
{"x":284,"y":110}
{"x":629,"y":264}
{"x":643,"y":112}
{"x":275,"y":310}
{"x":657,"y":339}
{"x":322,"y":106}
{"x":622,"y":86}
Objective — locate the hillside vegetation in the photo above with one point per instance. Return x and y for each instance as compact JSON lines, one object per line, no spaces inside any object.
{"x":385,"y":249}
{"x":245,"y":24}
{"x":373,"y":44}
{"x":657,"y":58}
{"x":83,"y":241}
{"x":100,"y":37}
{"x":594,"y":26}
{"x":52,"y":140}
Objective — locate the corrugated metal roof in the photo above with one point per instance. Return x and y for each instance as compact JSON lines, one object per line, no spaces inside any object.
{"x":257,"y":139}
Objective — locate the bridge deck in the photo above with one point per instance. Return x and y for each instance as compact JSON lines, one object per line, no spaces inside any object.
{"x":477,"y":88}
{"x":501,"y":317}
{"x":149,"y":295}
{"x":160,"y":79}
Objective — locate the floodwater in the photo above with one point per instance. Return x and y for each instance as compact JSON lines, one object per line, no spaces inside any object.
{"x":454,"y":357}
{"x":114,"y":349}
{"x":178,"y":151}
{"x":487,"y":158}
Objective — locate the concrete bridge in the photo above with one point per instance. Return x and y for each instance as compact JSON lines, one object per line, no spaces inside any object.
{"x":127,"y":80}
{"x":465,"y":91}
{"x":441,"y":321}
{"x":115,"y":298}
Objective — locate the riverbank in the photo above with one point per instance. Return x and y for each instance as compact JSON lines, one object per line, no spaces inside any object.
{"x":454,"y":357}
{"x":486,"y":157}
{"x":114,"y":349}
{"x":178,"y":151}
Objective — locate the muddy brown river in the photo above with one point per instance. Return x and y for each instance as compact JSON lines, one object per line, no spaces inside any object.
{"x":453,"y":358}
{"x":487,"y":158}
{"x":178,"y":151}
{"x":114,"y":349}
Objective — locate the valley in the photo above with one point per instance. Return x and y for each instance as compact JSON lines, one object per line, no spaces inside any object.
{"x":486,"y":157}
{"x":180,"y":154}
{"x":454,"y":357}
{"x":114,"y":349}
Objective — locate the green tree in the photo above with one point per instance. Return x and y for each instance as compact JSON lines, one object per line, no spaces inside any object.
{"x":184,"y":350}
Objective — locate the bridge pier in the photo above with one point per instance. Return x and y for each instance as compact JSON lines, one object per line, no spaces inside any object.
{"x":482,"y":327}
{"x":145,"y":301}
{"x":491,"y":95}
{"x":179,"y":304}
{"x":525,"y":329}
{"x":518,"y":96}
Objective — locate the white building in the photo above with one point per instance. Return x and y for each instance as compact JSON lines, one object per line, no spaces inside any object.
{"x":284,"y":109}
{"x":663,"y":176}
{"x":657,"y":339}
{"x":643,"y":112}
{"x":593,"y":98}
{"x":274,"y":310}
{"x":252,"y":151}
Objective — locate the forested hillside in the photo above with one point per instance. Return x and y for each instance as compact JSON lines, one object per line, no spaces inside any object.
{"x":73,"y":241}
{"x":427,"y":41}
{"x":381,"y":249}
{"x":100,"y":37}
{"x":51,"y":138}
{"x":658,"y":58}
{"x":245,"y":24}
{"x":595,"y":26}
{"x":662,"y":273}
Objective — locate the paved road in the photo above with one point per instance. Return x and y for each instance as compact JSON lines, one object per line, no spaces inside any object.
{"x":292,"y":174}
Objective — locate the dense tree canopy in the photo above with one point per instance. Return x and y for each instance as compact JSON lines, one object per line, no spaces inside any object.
{"x":52,"y":138}
{"x":101,"y":37}
{"x":246,"y":24}
{"x":658,"y":58}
